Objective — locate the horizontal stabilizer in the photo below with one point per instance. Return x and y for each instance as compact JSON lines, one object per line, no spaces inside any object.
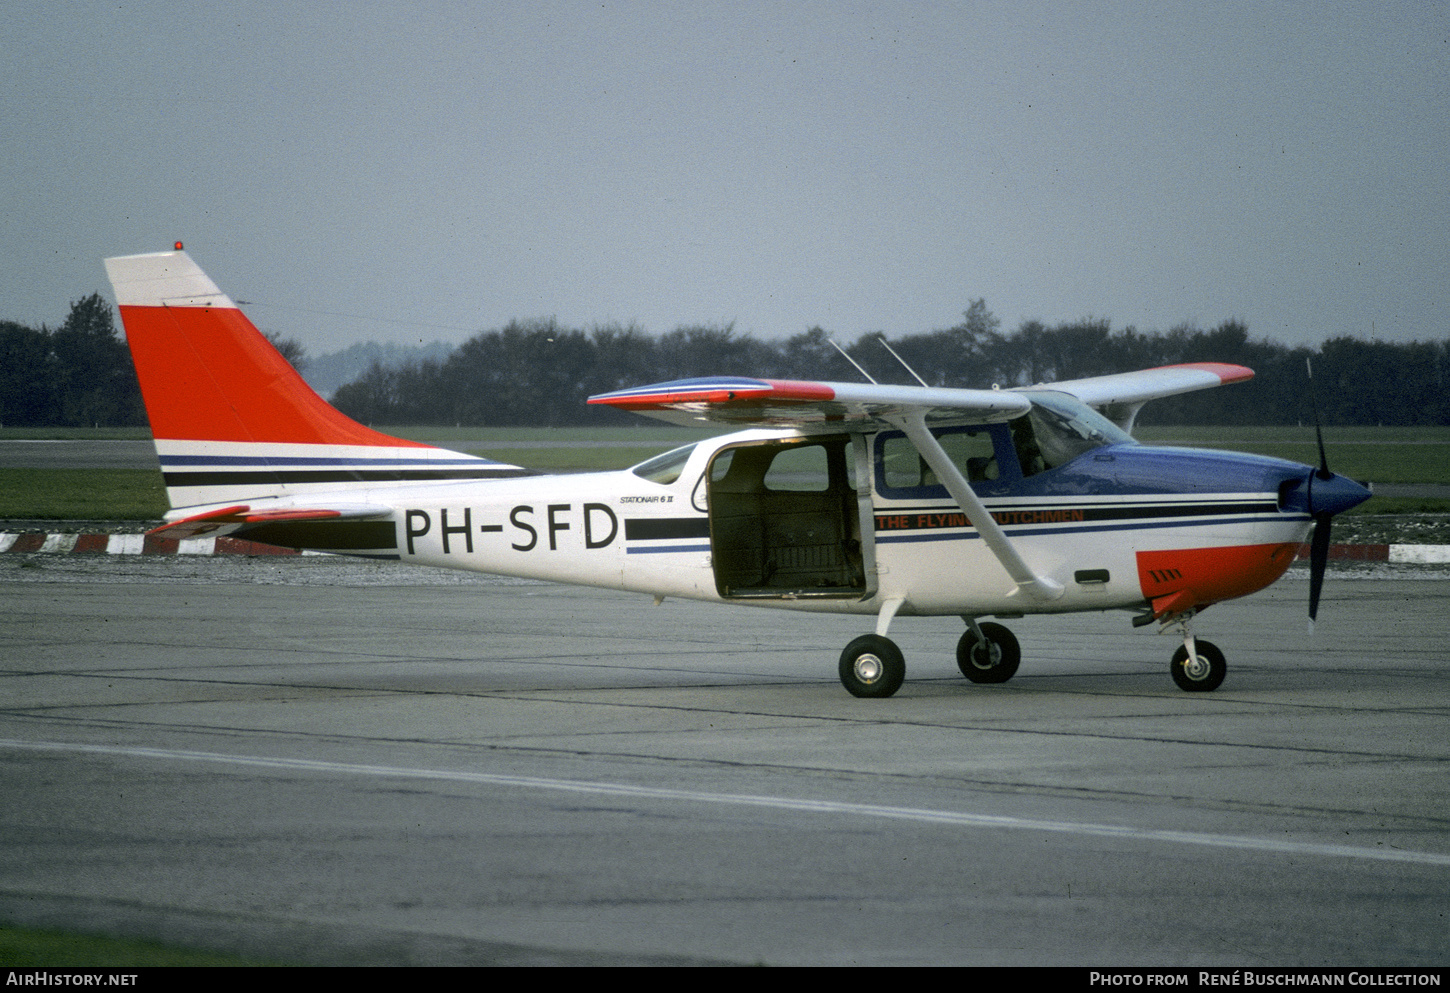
{"x":229,"y":520}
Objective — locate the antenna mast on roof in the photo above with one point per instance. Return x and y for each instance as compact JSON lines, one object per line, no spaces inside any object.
{"x":898,"y":358}
{"x":852,"y":361}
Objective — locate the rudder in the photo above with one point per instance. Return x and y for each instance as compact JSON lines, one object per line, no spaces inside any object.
{"x":231,"y":419}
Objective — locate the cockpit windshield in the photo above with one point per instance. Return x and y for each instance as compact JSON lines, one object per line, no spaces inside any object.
{"x":665,"y":469}
{"x":1058,"y":429}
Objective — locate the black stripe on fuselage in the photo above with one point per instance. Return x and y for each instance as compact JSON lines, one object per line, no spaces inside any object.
{"x":324,"y":536}
{"x":659,"y":528}
{"x":929,"y":518}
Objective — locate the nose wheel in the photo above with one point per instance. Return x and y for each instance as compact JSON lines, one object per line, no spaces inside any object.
{"x":1198,"y":665}
{"x":1201,"y":673}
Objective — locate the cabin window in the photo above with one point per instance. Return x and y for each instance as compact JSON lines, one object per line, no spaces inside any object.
{"x":970,"y":449}
{"x":902,"y":473}
{"x":801,"y":469}
{"x":665,"y":469}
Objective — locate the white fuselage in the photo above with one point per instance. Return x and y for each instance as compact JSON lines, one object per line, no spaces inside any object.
{"x":622,"y":531}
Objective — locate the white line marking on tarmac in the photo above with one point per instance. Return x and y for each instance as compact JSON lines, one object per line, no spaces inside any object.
{"x":799,"y":804}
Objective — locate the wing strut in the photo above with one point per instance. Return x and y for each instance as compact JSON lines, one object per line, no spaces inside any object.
{"x":913,"y":423}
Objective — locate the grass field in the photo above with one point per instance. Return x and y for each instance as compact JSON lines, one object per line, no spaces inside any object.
{"x":82,"y":494}
{"x":74,"y":434}
{"x":1381,"y":455}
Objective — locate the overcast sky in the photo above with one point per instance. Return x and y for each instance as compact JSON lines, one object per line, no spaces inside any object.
{"x":419,"y":170}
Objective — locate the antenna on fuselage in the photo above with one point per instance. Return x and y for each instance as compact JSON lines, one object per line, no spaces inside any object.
{"x":863,"y":372}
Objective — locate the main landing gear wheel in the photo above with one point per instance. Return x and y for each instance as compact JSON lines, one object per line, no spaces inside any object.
{"x":872,"y":666}
{"x":991,"y":661}
{"x":1204,"y":673}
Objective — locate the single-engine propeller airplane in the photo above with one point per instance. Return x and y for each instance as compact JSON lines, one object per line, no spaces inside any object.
{"x":878,"y":500}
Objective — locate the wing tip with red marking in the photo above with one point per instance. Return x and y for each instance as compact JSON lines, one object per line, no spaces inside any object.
{"x":1227,"y":372}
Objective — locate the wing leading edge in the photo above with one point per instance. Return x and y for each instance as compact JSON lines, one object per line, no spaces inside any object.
{"x":1120,"y":396}
{"x":740,"y":400}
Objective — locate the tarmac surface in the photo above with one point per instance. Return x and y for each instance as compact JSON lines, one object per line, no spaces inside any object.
{"x":336,"y":762}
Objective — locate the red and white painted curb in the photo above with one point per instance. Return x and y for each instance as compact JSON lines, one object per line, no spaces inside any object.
{"x":145,"y":544}
{"x":1397,"y":554}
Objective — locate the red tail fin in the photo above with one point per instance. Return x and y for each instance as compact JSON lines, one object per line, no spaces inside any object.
{"x":232,"y":420}
{"x":207,"y":373}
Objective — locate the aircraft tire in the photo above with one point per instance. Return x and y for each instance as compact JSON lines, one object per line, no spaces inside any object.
{"x":872,"y":666}
{"x":1205,"y":676}
{"x":995,"y":661}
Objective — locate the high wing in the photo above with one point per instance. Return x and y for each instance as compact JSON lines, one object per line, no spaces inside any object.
{"x":1120,"y":396}
{"x":741,"y":400}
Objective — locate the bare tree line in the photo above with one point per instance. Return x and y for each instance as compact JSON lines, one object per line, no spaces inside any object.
{"x":538,"y":373}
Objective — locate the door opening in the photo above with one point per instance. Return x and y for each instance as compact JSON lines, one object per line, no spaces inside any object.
{"x":784,"y":519}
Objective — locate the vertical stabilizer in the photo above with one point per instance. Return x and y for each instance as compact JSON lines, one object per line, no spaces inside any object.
{"x":232,"y":420}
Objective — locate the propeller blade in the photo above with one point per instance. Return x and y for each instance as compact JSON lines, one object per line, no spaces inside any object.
{"x":1318,"y":560}
{"x":1319,"y":544}
{"x":1318,"y":434}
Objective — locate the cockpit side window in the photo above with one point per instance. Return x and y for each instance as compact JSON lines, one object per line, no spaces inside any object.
{"x":901,"y":472}
{"x":1024,"y":439}
{"x":970,"y":450}
{"x":1058,"y":429}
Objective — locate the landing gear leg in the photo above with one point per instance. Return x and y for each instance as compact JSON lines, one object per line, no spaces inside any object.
{"x":872,"y":665}
{"x":1198,"y":666}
